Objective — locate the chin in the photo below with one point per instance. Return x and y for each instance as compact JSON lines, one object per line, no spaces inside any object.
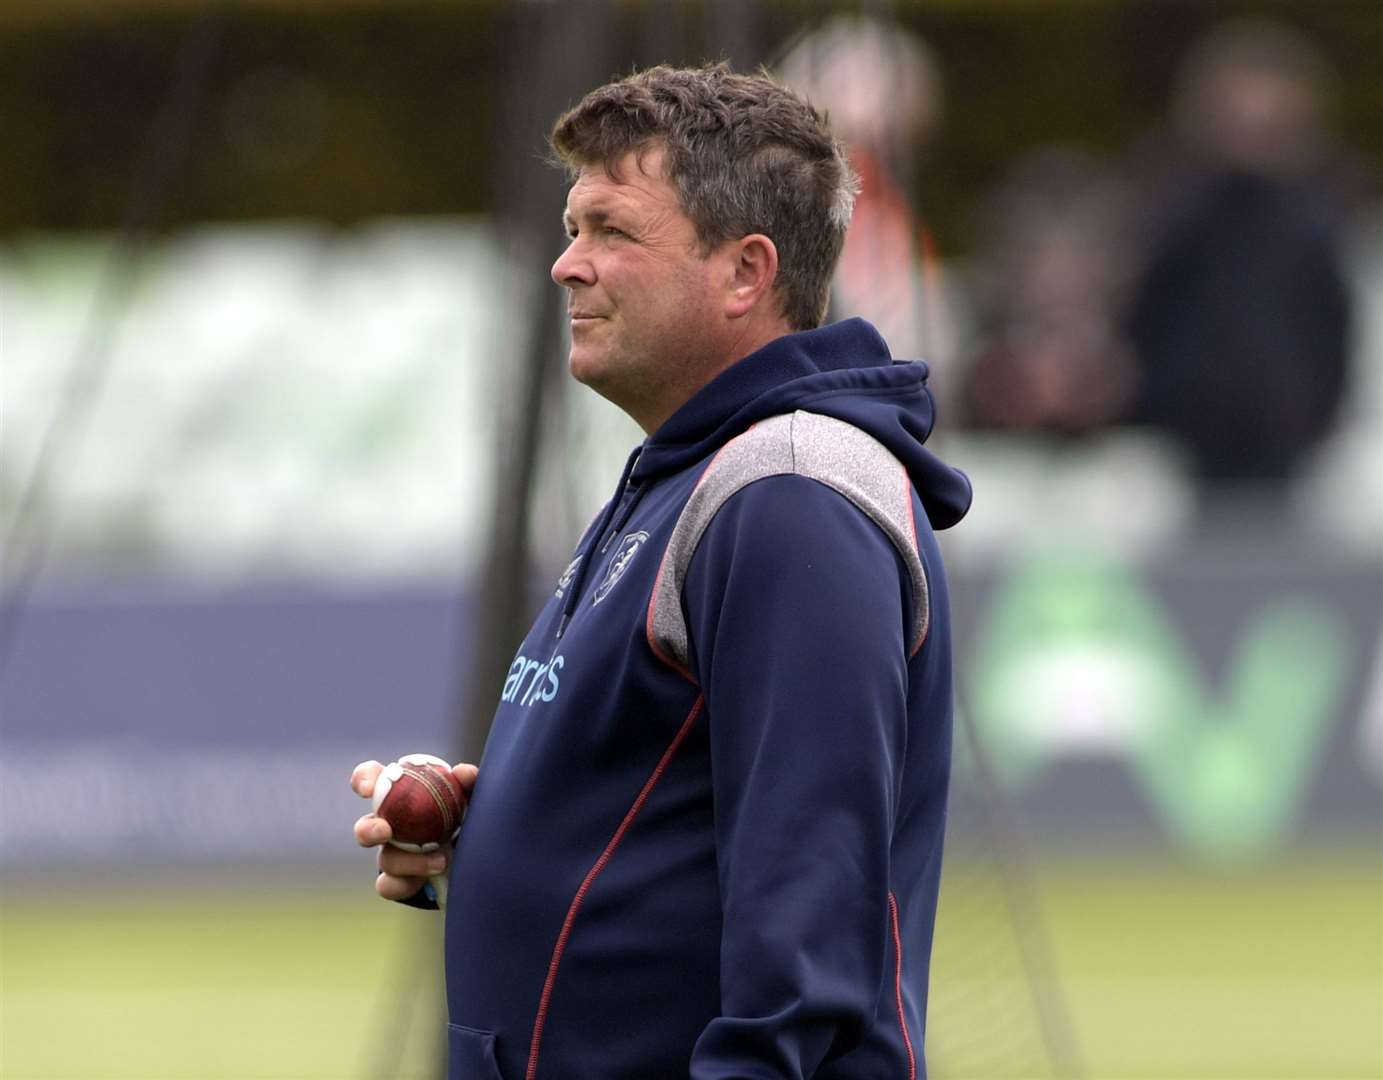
{"x":589,"y":368}
{"x":581,"y":365}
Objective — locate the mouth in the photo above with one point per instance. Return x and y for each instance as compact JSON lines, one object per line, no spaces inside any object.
{"x":584,"y":316}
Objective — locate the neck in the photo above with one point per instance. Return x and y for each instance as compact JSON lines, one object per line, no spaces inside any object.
{"x":747,"y":339}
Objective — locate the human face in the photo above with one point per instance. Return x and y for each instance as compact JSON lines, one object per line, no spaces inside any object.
{"x":641,"y":296}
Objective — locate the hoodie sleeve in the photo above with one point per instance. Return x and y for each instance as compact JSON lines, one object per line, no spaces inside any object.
{"x":798,"y":607}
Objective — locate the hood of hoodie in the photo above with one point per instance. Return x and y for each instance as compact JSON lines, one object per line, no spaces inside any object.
{"x":844,"y":371}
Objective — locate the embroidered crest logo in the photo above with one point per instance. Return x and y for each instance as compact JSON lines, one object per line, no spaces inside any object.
{"x":619,"y":563}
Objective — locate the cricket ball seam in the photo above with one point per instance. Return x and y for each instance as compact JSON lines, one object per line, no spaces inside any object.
{"x":433,"y":785}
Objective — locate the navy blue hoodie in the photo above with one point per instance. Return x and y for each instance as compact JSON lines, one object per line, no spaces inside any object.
{"x":724,"y":862}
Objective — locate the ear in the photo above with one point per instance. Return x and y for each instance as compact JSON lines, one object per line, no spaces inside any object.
{"x":754,"y":270}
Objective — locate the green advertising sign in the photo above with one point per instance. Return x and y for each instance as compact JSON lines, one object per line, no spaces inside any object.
{"x":1078,"y":657}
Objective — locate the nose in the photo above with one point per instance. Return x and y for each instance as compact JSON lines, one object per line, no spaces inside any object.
{"x":572,"y":268}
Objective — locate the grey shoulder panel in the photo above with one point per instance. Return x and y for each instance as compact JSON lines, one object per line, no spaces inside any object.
{"x":822,"y":448}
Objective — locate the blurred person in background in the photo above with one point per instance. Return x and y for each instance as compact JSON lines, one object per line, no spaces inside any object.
{"x":1241,"y":314}
{"x":882,"y":89}
{"x":705,"y":835}
{"x":1052,"y":272}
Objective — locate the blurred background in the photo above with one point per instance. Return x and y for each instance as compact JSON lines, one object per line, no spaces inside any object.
{"x":287,"y":454}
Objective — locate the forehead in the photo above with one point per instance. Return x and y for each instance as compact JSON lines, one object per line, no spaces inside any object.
{"x":634,"y":182}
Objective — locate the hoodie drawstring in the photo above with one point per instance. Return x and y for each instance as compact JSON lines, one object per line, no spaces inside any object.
{"x":623,"y":519}
{"x":597,"y":537}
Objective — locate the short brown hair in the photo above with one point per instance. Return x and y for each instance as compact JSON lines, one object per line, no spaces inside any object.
{"x":745,"y":154}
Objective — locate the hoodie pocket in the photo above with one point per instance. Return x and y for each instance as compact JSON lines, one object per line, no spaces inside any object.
{"x":471,"y":1054}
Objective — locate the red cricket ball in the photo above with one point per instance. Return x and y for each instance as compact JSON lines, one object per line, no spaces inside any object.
{"x":422,"y":801}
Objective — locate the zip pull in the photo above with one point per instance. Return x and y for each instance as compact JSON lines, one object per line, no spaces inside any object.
{"x":629,"y":493}
{"x":579,"y":583}
{"x":635,"y":493}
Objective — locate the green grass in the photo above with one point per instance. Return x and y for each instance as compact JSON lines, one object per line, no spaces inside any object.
{"x":1172,"y":972}
{"x":1168,"y":972}
{"x":214,"y":977}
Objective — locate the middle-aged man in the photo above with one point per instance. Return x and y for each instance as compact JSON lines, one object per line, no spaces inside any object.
{"x":705,"y":836}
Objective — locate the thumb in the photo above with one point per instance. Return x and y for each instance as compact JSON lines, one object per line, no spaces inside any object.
{"x":363,"y":778}
{"x":465,"y":774}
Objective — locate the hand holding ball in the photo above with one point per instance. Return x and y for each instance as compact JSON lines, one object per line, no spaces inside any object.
{"x":421,"y":799}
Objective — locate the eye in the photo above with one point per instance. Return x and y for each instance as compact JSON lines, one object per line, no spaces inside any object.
{"x":610,"y":230}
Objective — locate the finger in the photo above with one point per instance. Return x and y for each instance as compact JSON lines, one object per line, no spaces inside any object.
{"x":398,"y":888}
{"x":466,"y":773}
{"x":371,"y":831}
{"x":363,"y":778}
{"x":398,"y":863}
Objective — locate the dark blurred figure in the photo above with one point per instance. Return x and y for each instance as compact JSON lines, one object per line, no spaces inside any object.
{"x":1241,"y":315}
{"x":1051,"y":274}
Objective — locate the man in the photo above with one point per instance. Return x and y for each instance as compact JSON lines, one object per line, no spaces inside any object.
{"x":705,"y":835}
{"x":1241,"y":314}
